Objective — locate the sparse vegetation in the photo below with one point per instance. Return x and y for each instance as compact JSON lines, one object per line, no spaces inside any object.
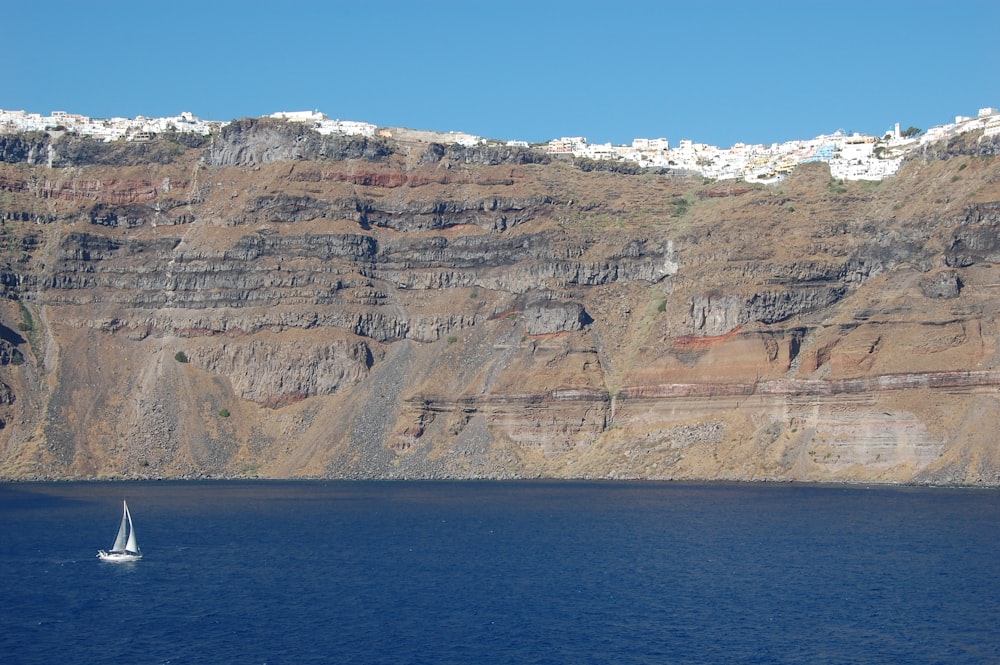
{"x":27,"y":326}
{"x":28,"y":323}
{"x":181,"y":357}
{"x":680,"y":207}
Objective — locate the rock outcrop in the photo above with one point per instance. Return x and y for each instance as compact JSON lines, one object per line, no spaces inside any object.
{"x":269,"y":302}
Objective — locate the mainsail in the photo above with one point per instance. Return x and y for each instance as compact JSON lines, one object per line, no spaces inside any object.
{"x":123,"y":532}
{"x":131,"y":545}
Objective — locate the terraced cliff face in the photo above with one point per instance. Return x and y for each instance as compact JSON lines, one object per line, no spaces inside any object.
{"x":275,"y":303}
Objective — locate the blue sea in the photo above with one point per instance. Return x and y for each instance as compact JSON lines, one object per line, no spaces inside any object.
{"x":500,"y":572}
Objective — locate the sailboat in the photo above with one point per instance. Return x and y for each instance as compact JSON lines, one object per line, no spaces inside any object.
{"x":125,"y":547}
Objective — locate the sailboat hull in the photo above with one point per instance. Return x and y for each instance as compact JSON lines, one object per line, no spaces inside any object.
{"x":118,"y":557}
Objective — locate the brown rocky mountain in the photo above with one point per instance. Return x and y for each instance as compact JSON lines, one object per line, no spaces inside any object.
{"x":274,"y":303}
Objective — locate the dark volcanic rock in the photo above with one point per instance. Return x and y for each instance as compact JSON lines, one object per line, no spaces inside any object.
{"x":944,"y":284}
{"x":264,"y":141}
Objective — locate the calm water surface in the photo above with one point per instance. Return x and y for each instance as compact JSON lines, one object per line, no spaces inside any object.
{"x":341,"y":572}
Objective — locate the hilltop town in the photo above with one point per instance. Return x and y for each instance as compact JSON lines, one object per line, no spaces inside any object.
{"x":850,"y":157}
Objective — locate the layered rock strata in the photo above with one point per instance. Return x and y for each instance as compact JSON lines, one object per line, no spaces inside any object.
{"x":275,"y":303}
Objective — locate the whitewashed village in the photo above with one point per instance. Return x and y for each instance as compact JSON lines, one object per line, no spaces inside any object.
{"x":851,"y":157}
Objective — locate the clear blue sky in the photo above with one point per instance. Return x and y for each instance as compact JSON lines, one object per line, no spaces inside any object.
{"x":714,"y":72}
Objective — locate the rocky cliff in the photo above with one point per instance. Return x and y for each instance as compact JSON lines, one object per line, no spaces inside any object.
{"x":270,"y":302}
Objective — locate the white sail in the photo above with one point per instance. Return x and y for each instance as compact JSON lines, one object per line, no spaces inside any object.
{"x":131,"y":546}
{"x":123,"y":529}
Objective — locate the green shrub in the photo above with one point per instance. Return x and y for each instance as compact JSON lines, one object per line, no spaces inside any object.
{"x":180,"y":357}
{"x":28,"y":324}
{"x":680,"y":207}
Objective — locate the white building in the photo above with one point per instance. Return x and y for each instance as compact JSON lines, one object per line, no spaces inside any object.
{"x":299,"y":116}
{"x":346,"y":128}
{"x":651,"y":144}
{"x":324,"y":125}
